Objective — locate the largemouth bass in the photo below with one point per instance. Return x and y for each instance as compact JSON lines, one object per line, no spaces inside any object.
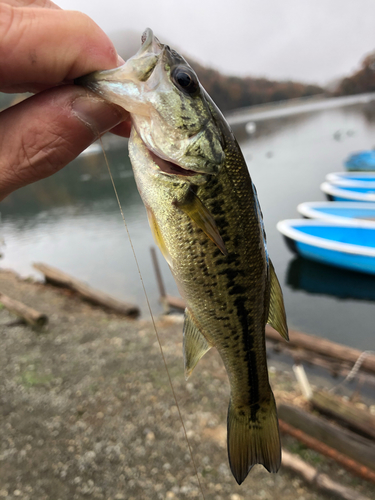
{"x":205,"y":217}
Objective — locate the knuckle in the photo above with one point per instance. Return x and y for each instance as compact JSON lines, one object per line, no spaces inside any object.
{"x":40,"y":156}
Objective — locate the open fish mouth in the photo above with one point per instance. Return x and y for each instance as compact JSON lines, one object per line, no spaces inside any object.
{"x":150,"y":43}
{"x":169,"y":168}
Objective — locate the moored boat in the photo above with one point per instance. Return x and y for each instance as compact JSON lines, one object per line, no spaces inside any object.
{"x":345,"y":193}
{"x":339,"y":211}
{"x":338,"y":244}
{"x":362,"y":160}
{"x":352,"y":179}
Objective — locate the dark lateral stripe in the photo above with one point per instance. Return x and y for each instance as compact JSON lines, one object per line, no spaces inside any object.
{"x":250,"y":355}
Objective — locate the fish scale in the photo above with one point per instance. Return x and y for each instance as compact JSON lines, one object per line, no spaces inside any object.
{"x":205,"y":217}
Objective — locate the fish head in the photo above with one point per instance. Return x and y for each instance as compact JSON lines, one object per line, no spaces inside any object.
{"x":170,"y":110}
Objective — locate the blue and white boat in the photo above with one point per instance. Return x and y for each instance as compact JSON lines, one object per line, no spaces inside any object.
{"x":345,"y":193}
{"x":352,"y":179}
{"x":339,"y":211}
{"x":363,"y":160}
{"x":338,"y":244}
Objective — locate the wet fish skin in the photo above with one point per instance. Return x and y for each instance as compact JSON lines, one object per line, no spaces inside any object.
{"x":205,"y":217}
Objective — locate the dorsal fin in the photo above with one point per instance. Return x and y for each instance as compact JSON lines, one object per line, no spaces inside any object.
{"x":194,"y":346}
{"x":276,"y":314}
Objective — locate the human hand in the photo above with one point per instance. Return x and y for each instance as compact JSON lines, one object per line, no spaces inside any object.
{"x":43,"y":49}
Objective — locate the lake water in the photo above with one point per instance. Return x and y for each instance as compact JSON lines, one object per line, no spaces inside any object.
{"x":72,"y":221}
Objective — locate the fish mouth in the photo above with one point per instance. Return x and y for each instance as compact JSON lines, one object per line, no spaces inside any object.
{"x":169,"y":168}
{"x":111,"y":84}
{"x":150,"y":44}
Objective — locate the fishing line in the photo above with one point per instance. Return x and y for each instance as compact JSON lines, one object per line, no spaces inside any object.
{"x":152,"y":319}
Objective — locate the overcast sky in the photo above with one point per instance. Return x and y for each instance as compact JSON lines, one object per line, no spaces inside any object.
{"x":308,"y":40}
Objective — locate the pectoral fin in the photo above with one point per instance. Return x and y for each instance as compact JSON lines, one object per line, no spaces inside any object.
{"x":156,"y":233}
{"x":195,"y":345}
{"x":194,"y":208}
{"x":276,"y":315}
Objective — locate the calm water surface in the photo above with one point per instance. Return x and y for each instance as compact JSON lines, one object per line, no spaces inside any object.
{"x":72,"y":221}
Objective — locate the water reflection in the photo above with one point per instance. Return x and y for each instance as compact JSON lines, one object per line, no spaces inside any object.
{"x":316,"y":278}
{"x":83,"y":183}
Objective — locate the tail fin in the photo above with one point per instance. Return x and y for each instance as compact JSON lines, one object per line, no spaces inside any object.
{"x":253,"y":439}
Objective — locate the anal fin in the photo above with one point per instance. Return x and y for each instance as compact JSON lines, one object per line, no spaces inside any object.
{"x":195,"y":345}
{"x":276,"y":315}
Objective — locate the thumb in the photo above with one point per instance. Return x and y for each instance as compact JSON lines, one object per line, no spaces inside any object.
{"x":42,"y":134}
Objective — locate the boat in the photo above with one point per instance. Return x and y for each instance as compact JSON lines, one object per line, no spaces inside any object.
{"x":362,"y":160}
{"x":352,"y":179}
{"x":345,"y":193}
{"x":339,"y":211}
{"x":342,"y":245}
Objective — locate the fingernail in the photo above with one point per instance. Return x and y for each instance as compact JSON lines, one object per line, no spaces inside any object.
{"x":100,"y":116}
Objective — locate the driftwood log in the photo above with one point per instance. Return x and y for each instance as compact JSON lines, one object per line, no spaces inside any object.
{"x":346,"y":413}
{"x":319,"y":480}
{"x":323,"y":347}
{"x":336,"y":367}
{"x":59,"y":278}
{"x":175,"y":302}
{"x":347,"y":463}
{"x":167,"y":301}
{"x":344,"y":441}
{"x":332,"y":355}
{"x":28,"y":314}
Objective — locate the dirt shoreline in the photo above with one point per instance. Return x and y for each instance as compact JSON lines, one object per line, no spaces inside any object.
{"x":86,"y":411}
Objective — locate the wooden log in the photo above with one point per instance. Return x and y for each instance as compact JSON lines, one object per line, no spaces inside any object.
{"x":347,"y":463}
{"x":336,"y":368}
{"x":323,"y":347}
{"x":163,"y":299}
{"x":319,"y":480}
{"x":159,"y":278}
{"x":176,"y":302}
{"x":345,"y":412}
{"x":344,"y":441}
{"x":59,"y":278}
{"x":311,"y":343}
{"x":28,"y":314}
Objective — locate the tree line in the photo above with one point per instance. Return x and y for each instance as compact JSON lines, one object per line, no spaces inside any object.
{"x":361,"y":81}
{"x":231,"y":92}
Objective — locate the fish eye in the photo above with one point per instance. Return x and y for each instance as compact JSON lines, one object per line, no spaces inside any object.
{"x":185,"y":80}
